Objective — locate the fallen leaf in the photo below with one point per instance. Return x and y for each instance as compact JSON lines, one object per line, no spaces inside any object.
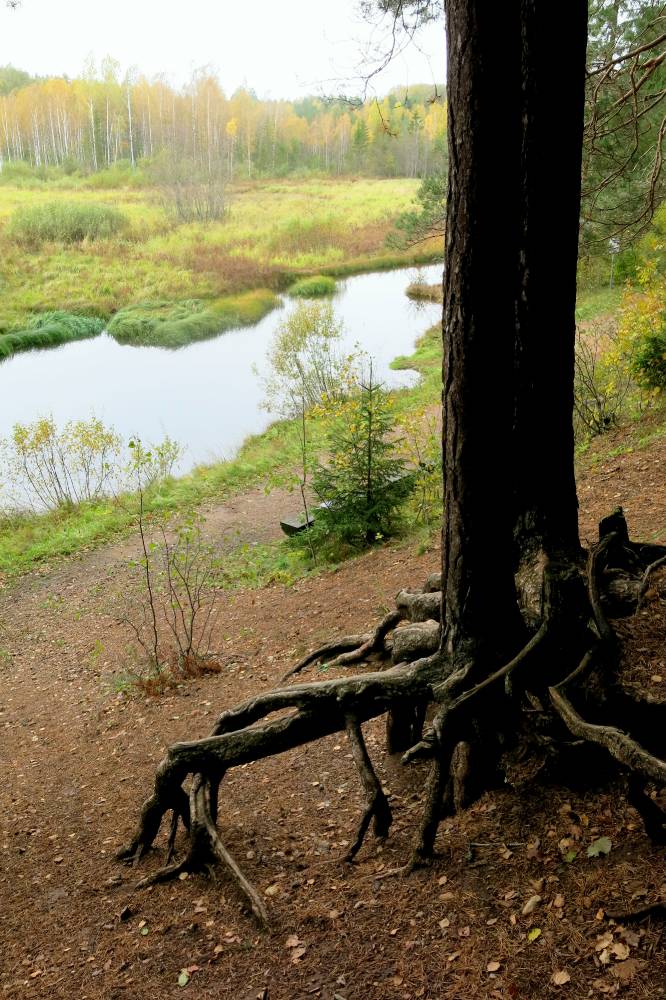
{"x":604,"y":941}
{"x":534,"y":934}
{"x":292,"y":941}
{"x":493,"y":966}
{"x":570,"y":856}
{"x":559,"y":901}
{"x":620,"y":951}
{"x":631,"y":937}
{"x":531,"y":905}
{"x":626,"y":971}
{"x":297,"y":954}
{"x":453,"y":956}
{"x":560,"y":978}
{"x":600,"y":846}
{"x":271,"y":890}
{"x":184,"y":977}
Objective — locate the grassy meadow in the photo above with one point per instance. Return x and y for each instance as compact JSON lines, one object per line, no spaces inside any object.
{"x":275,"y":233}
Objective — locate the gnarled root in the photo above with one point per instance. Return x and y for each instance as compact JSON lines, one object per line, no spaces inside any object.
{"x":305,"y":713}
{"x":377,"y":804}
{"x":569,"y":655}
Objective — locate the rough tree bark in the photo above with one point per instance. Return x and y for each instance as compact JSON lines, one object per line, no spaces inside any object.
{"x":522,"y":614}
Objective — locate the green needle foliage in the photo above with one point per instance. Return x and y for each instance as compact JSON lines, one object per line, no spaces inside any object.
{"x":365,"y":482}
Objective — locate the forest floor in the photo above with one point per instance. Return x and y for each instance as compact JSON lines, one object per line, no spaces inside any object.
{"x":79,"y":758}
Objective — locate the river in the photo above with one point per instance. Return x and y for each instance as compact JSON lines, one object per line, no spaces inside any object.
{"x":206,"y":396}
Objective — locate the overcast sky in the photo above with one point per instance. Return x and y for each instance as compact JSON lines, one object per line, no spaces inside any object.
{"x":281,"y":48}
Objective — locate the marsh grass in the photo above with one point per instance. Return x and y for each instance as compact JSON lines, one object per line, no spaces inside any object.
{"x":310,"y":288}
{"x":423,"y":291}
{"x":274,"y":234}
{"x":65,"y":222}
{"x":50,"y":330}
{"x":176,"y":324}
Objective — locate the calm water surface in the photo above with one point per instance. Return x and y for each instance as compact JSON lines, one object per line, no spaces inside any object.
{"x":205,"y":396}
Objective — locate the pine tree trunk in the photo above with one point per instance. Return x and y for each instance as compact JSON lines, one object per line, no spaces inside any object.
{"x":509,"y":310}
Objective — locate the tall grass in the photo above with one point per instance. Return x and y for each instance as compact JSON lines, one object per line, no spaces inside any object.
{"x":175,"y":324}
{"x":50,"y":330}
{"x":65,"y":222}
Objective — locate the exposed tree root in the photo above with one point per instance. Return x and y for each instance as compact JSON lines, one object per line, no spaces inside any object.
{"x":351,"y":649}
{"x":377,"y":803}
{"x":657,"y":910}
{"x":476,"y":709}
{"x":645,"y":583}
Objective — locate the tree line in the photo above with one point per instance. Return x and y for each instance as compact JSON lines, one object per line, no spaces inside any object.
{"x":100,"y":119}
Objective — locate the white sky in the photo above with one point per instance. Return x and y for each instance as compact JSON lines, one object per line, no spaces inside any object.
{"x":281,"y":48}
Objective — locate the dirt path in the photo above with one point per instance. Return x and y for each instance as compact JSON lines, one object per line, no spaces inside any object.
{"x":78,"y":759}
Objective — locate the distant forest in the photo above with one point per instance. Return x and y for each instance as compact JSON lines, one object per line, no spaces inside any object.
{"x":99,"y":121}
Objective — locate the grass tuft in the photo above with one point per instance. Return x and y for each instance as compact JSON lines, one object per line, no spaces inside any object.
{"x":422,"y":290}
{"x":310,"y":288}
{"x":49,"y":330}
{"x":65,"y":222}
{"x":176,"y":324}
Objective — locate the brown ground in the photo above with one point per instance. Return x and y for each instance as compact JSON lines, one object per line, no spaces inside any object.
{"x":79,"y":758}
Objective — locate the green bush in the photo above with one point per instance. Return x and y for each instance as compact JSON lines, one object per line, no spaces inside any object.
{"x":120,"y":175}
{"x":17,"y":172}
{"x":49,"y":330}
{"x":649,"y":360}
{"x":310,"y":288}
{"x":65,"y":222}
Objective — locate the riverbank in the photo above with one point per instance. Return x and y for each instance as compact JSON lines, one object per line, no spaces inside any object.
{"x":28,"y":541}
{"x":274,"y":233}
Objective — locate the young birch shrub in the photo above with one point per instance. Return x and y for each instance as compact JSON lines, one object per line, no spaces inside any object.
{"x":305,"y":364}
{"x":642,"y":334}
{"x":46,"y":467}
{"x":421,"y":448}
{"x":603,"y":385}
{"x":172,"y":613}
